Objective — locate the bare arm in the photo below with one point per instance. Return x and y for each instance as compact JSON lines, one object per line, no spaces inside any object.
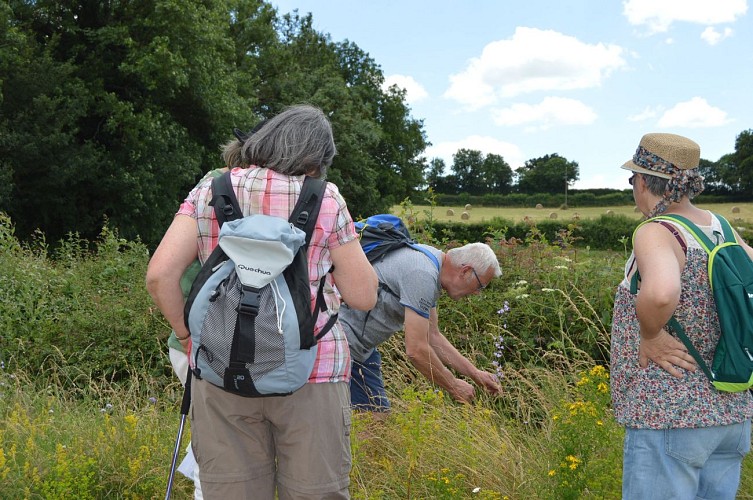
{"x":452,"y":358}
{"x":356,"y":280}
{"x":426,"y":361}
{"x":174,"y":254}
{"x":660,"y":261}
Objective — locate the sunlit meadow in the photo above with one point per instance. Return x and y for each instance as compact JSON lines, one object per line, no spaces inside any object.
{"x":73,"y":428}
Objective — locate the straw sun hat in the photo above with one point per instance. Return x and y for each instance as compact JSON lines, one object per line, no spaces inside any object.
{"x":662,"y":155}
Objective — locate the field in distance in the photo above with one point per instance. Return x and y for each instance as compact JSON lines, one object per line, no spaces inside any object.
{"x":743,"y":212}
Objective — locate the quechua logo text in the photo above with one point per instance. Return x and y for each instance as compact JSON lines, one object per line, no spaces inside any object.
{"x":254,"y":269}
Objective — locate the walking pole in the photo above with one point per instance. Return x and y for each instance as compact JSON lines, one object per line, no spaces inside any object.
{"x":184,"y":406}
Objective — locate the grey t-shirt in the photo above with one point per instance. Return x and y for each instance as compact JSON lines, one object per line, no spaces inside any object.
{"x":413,"y":279}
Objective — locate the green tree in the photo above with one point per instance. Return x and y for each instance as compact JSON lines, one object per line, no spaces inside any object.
{"x":117,"y":108}
{"x":712,"y":173}
{"x":742,"y":159}
{"x":468,"y":167}
{"x":497,"y":175}
{"x":548,"y":174}
{"x":379,"y":145}
{"x":435,"y":173}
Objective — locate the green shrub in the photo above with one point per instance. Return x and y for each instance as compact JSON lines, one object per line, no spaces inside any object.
{"x":85,"y":312}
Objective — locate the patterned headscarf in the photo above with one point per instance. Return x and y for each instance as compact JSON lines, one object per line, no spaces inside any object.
{"x":681,"y":183}
{"x":672,"y":157}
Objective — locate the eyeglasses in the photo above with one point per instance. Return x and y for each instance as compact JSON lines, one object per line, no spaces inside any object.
{"x":481,"y":286}
{"x":631,"y":179}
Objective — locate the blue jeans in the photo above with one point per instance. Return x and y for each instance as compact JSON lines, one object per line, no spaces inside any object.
{"x":367,"y":386}
{"x":701,"y":463}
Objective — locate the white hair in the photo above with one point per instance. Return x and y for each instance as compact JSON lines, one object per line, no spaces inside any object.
{"x":479,"y":256}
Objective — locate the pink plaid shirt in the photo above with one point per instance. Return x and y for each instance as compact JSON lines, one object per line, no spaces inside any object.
{"x":261,"y":190}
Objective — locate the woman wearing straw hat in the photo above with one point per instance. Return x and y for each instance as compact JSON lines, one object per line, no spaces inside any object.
{"x":684,"y":438}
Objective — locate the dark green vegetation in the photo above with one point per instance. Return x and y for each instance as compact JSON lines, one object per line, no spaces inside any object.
{"x":112,"y":110}
{"x":89,"y":406}
{"x":115,"y":109}
{"x":86,"y":312}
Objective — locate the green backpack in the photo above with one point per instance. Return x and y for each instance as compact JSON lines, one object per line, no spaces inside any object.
{"x":731,"y":277}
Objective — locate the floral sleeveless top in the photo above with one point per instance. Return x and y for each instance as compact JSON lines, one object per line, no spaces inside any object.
{"x":651,"y":398}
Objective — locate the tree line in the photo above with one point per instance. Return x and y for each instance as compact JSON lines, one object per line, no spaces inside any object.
{"x":476,"y":174}
{"x":111,"y":110}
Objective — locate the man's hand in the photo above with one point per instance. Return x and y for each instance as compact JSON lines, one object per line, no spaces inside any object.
{"x":488,"y":381}
{"x":667,"y":352}
{"x":462,"y":391}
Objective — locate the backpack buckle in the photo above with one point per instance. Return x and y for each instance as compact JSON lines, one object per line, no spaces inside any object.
{"x":302,"y":218}
{"x":250,"y":300}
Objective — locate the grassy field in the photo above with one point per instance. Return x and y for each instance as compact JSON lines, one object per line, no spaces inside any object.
{"x":481,"y":214}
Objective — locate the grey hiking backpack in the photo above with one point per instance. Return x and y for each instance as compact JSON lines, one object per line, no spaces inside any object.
{"x":249,"y":309}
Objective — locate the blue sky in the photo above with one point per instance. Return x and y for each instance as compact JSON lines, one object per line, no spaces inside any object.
{"x":581,"y":78}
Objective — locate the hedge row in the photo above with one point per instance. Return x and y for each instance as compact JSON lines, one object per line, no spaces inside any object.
{"x":594,"y":198}
{"x":608,"y":232}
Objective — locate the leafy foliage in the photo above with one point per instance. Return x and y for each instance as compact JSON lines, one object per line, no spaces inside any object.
{"x":136,"y":97}
{"x":90,"y":410}
{"x":548,"y":174}
{"x":85,"y":314}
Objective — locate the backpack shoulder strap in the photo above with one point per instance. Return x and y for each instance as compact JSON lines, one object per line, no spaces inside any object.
{"x":304,"y":216}
{"x":699,"y":235}
{"x":637,"y":275}
{"x":424,"y":251}
{"x":306,"y":209}
{"x":729,"y":234}
{"x":224,"y":201}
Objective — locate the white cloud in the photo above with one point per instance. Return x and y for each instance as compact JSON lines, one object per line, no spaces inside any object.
{"x":510,"y":152}
{"x":644,"y":115}
{"x":414,"y":91}
{"x":658,"y":15}
{"x":533,"y":60}
{"x":695,"y":113}
{"x":712,"y":37}
{"x":549,"y":112}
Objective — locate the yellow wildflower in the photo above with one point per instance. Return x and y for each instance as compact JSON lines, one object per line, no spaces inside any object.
{"x":598,"y":371}
{"x":574,"y":461}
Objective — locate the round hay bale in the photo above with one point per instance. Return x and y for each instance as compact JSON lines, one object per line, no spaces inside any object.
{"x":735,"y":210}
{"x":450,"y":212}
{"x":468,"y":207}
{"x":553,"y":215}
{"x":609,"y":212}
{"x":465,"y":216}
{"x":576,"y":216}
{"x":539,"y":206}
{"x":636,"y":210}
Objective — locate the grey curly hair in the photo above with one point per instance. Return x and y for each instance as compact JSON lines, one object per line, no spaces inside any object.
{"x":297,"y":141}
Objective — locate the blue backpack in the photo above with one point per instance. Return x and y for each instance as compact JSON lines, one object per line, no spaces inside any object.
{"x":383,"y":233}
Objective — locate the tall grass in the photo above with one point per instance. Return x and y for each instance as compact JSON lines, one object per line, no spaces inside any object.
{"x":70,"y":428}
